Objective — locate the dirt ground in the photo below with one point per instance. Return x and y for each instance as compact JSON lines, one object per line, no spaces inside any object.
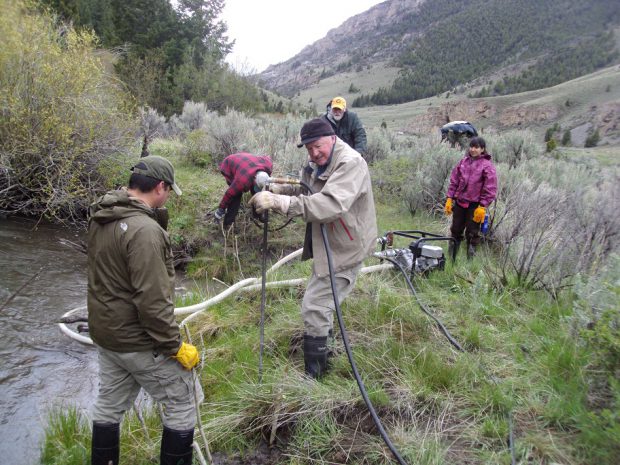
{"x":262,"y":455}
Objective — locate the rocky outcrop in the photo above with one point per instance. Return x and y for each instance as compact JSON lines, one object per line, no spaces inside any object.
{"x":477,"y":111}
{"x":525,"y":115}
{"x":607,"y":119}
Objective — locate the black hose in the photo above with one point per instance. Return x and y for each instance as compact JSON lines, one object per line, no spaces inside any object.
{"x":345,"y":337}
{"x":347,"y":347}
{"x":275,"y":229}
{"x":511,"y":445}
{"x":423,"y":307}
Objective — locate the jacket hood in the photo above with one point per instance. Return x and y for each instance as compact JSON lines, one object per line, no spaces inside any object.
{"x":116,"y":205}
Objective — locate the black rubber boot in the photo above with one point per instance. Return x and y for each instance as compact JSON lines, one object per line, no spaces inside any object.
{"x":471,"y":251}
{"x":331,"y":345}
{"x":176,"y":446}
{"x":453,"y":249}
{"x":315,"y":355}
{"x":105,"y":444}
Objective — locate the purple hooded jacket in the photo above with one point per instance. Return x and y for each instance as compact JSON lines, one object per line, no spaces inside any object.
{"x":473,"y":180}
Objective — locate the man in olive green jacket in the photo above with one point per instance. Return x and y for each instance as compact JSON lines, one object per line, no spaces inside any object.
{"x":343,"y":201}
{"x":131,"y":314}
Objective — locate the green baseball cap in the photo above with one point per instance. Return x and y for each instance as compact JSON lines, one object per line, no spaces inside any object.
{"x":157,"y":168}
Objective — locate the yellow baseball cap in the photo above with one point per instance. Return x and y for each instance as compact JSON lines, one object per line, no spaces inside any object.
{"x":339,"y":102}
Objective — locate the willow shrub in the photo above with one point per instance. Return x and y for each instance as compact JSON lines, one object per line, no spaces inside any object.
{"x":416,"y":172}
{"x":554,"y":219}
{"x":211,"y":136}
{"x":61,"y":115}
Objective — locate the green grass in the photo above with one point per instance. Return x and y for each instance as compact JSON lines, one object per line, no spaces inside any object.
{"x":439,"y":406}
{"x":367,"y":81}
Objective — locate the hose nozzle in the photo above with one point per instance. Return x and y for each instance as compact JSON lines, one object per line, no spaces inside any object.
{"x":263,"y":179}
{"x":283,"y":181}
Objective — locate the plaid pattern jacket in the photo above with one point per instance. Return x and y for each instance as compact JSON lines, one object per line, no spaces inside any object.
{"x":239,"y":170}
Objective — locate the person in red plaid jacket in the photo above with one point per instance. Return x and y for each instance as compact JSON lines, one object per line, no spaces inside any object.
{"x":239,"y":170}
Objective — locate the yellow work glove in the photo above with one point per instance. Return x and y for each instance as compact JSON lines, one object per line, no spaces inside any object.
{"x":479,"y":214}
{"x":448,"y":207}
{"x":187,"y":356}
{"x":266,"y":200}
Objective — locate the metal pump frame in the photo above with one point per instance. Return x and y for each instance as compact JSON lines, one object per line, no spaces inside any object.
{"x":419,"y":237}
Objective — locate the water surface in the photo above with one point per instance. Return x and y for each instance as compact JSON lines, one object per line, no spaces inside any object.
{"x":40,"y":368}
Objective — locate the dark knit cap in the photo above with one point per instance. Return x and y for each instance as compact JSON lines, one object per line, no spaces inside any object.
{"x":315,"y":129}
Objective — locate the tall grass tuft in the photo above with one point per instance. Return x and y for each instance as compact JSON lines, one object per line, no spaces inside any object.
{"x":67,"y":438}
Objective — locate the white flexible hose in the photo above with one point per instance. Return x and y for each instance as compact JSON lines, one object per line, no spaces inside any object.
{"x":248,"y":284}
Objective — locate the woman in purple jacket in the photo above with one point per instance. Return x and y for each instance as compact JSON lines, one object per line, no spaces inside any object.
{"x":473,"y":186}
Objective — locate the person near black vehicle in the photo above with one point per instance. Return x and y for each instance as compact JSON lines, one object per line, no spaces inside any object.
{"x":458,"y":132}
{"x":240,"y":171}
{"x":131,"y":315}
{"x":343,"y":202}
{"x":346,"y":124}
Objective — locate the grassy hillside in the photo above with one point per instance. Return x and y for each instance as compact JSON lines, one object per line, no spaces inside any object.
{"x":442,"y":45}
{"x":367,"y":80}
{"x":461,"y":42}
{"x":583,"y":101}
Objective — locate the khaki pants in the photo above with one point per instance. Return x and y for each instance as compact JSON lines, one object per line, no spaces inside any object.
{"x":317,"y":307}
{"x":121,"y":375}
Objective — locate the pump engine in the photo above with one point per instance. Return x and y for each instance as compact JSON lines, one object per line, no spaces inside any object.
{"x":420,"y":257}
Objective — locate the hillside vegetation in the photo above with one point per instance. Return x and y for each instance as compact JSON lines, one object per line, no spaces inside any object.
{"x":580,"y":106}
{"x":167,"y":52}
{"x":464,"y":42}
{"x":444,"y":45}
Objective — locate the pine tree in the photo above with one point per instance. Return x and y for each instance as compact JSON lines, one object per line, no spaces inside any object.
{"x":566,"y":138}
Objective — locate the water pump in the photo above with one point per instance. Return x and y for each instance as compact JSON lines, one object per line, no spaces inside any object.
{"x":421,"y":256}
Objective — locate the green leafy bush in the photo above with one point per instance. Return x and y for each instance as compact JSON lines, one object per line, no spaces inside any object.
{"x":61,"y":115}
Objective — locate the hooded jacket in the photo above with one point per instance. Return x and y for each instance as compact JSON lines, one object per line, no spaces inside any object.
{"x":343,"y":201}
{"x":130,"y":277}
{"x":473,"y":180}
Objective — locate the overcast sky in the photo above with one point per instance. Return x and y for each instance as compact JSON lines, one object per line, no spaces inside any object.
{"x":271,"y":31}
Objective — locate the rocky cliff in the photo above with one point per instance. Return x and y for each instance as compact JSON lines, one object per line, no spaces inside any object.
{"x":374,"y":36}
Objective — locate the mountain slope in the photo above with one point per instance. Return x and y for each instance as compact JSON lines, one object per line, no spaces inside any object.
{"x":443,"y":44}
{"x":361,"y":40}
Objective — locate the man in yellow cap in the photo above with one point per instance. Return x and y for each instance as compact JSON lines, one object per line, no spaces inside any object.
{"x":346,"y":124}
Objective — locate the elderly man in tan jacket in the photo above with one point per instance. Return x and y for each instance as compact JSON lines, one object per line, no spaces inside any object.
{"x":343,"y":201}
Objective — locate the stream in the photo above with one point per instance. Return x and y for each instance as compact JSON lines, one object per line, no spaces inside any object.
{"x":41,"y":369}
